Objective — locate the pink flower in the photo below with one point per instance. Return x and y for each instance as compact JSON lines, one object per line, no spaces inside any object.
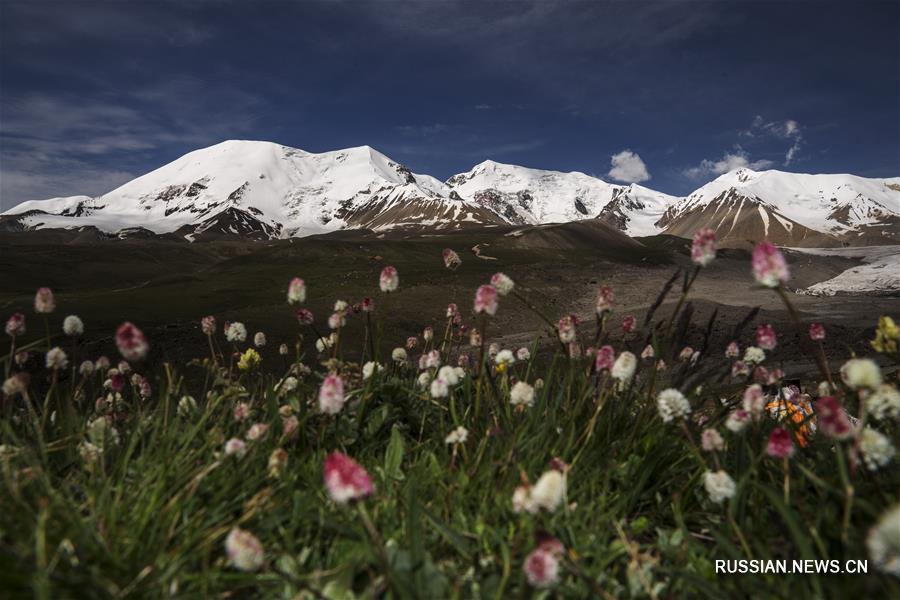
{"x":503,"y":283}
{"x":703,"y":248}
{"x":304,"y":316}
{"x":738,"y":368}
{"x":296,"y":291}
{"x":711,"y":440}
{"x":769,"y":266}
{"x":452,"y":310}
{"x":605,"y":299}
{"x":754,"y":400}
{"x":542,"y":567}
{"x":290,"y":427}
{"x":389,"y":280}
{"x":15,"y":325}
{"x":780,"y":444}
{"x":566,"y":328}
{"x":331,"y":395}
{"x":733,"y":350}
{"x":831,"y":418}
{"x":245,"y":551}
{"x":451,"y":259}
{"x":605,"y":358}
{"x":628,"y":323}
{"x":43,"y":301}
{"x":817,"y":332}
{"x":486,"y":300}
{"x":765,"y":337}
{"x":208,"y":325}
{"x":131,"y":342}
{"x":346,"y":479}
{"x":367,"y":305}
{"x":411,"y":342}
{"x":241,"y":411}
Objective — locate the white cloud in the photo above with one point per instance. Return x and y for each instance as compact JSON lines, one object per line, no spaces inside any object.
{"x":729,"y":162}
{"x":627,"y":166}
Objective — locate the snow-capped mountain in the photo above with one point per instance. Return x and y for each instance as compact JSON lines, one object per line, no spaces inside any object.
{"x":533,"y":196}
{"x":792,"y":209}
{"x":263,"y":190}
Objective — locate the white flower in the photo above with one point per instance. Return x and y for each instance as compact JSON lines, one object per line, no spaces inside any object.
{"x":523,"y":354}
{"x":719,"y":485}
{"x":457,"y":436}
{"x":861,"y":372}
{"x":288,"y":385}
{"x":521,"y":393}
{"x":86,"y":368}
{"x":187,"y":406}
{"x":883,"y":542}
{"x":505,"y":357}
{"x":245,"y":551}
{"x":57,"y":359}
{"x":876,"y":448}
{"x":737,"y":420}
{"x":336,"y":320}
{"x":522,"y":501}
{"x":448,"y":374}
{"x":624,"y":367}
{"x":439,"y":388}
{"x":235,"y":447}
{"x":399,"y":355}
{"x":236,"y":332}
{"x":324,"y":343}
{"x":89,"y":452}
{"x":672,"y":405}
{"x":884,"y":403}
{"x":460,"y":373}
{"x":711,"y":440}
{"x":331,"y":395}
{"x":370,"y":368}
{"x":424,"y":379}
{"x":73,"y":326}
{"x":259,"y":339}
{"x":340,"y":306}
{"x":432,"y":360}
{"x":549,"y":490}
{"x":101,"y":433}
{"x":503,"y":283}
{"x":754,"y":355}
{"x":257,"y":431}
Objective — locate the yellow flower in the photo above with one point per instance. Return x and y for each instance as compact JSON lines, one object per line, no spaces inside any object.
{"x":249,"y":360}
{"x":887,"y":336}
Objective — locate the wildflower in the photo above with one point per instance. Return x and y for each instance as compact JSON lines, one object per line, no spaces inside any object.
{"x":463,"y":360}
{"x":367,"y":305}
{"x":754,"y":401}
{"x":336,"y":320}
{"x":86,"y":368}
{"x":549,"y":490}
{"x":648,"y":352}
{"x":43,"y":301}
{"x":89,"y":452}
{"x":502,"y":283}
{"x":769,"y":267}
{"x":288,"y":385}
{"x":605,"y":300}
{"x":15,"y":325}
{"x":257,"y":431}
{"x":457,"y":436}
{"x":566,"y":329}
{"x":883,"y":542}
{"x":244,"y":550}
{"x":346,"y":479}
{"x":861,"y":373}
{"x":399,"y":355}
{"x":296,"y":291}
{"x":277,"y":463}
{"x":15,"y":385}
{"x":323,"y":344}
{"x":493,"y":350}
{"x":733,"y":350}
{"x":703,"y":248}
{"x":523,"y":354}
{"x":521,"y":393}
{"x":521,"y":500}
{"x":289,"y":427}
{"x":449,"y":374}
{"x":432,"y":360}
{"x":876,"y":448}
{"x":884,"y":402}
{"x":208,"y":325}
{"x":241,"y":411}
{"x":486,"y":300}
{"x":451,"y":259}
{"x":249,"y":360}
{"x":439,"y":388}
{"x":424,"y":379}
{"x":738,"y":368}
{"x":832,"y":419}
{"x":304,"y":316}
{"x":474,"y":338}
{"x":817,"y":332}
{"x":369,"y":369}
{"x":428,"y":334}
{"x":504,"y":358}
{"x":131,"y":342}
{"x":711,"y":440}
{"x":389,"y":280}
{"x":235,"y":447}
{"x":541,"y":568}
{"x":754,"y":355}
{"x":57,"y":359}
{"x":72,"y":326}
{"x":259,"y":339}
{"x":737,"y":420}
{"x":887,"y":336}
{"x":686,"y":353}
{"x":628,"y":323}
{"x":452,"y":310}
{"x":624,"y":367}
{"x":331,"y":395}
{"x":102,"y":363}
{"x":765,"y":337}
{"x":187,"y":406}
{"x":780,"y":444}
{"x":719,"y":485}
{"x":672,"y":405}
{"x":283,"y":350}
{"x":605,"y":358}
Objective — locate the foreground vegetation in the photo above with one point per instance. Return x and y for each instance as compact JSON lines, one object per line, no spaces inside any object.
{"x":449,"y":467}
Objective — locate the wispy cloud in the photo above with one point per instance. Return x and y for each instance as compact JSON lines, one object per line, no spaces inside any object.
{"x":787,"y":130}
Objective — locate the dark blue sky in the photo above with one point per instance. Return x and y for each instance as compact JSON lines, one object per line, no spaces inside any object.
{"x":95,"y":93}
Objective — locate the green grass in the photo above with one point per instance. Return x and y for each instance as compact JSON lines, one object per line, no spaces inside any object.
{"x":149,"y":516}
